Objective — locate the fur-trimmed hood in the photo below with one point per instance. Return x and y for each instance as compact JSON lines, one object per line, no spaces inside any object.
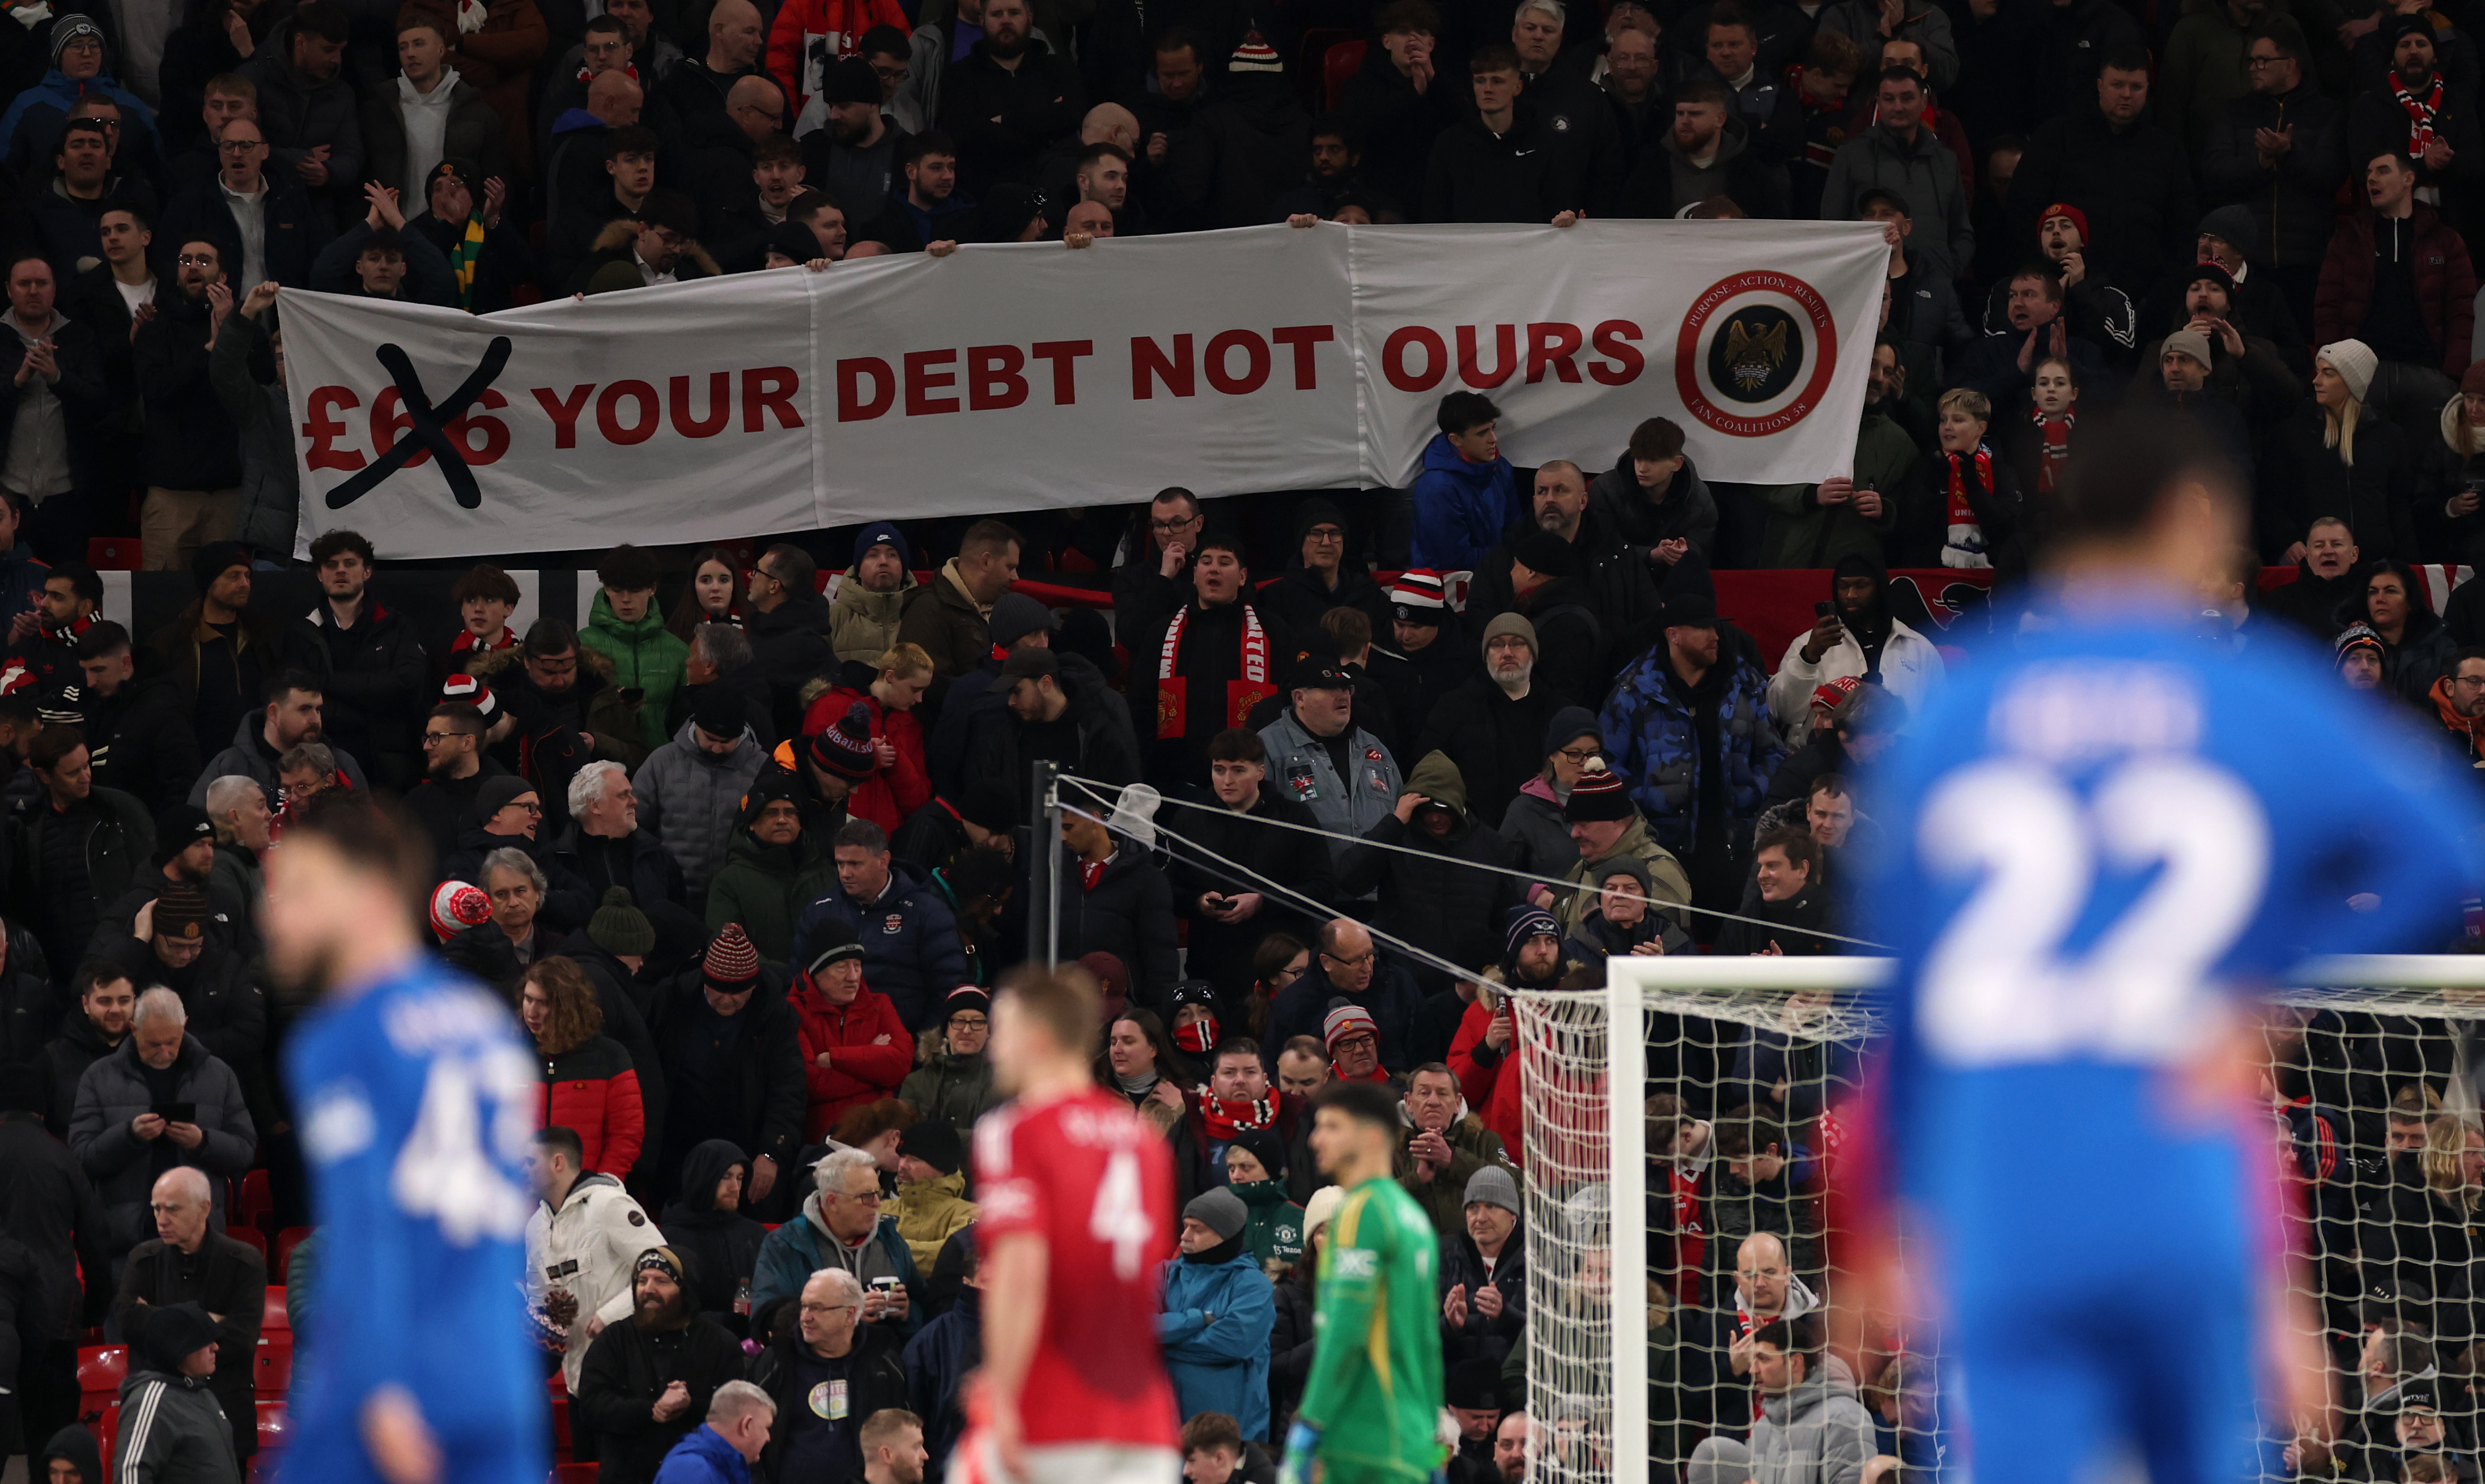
{"x":491,"y":664}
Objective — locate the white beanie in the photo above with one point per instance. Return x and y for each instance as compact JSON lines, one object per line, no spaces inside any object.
{"x":2355,"y":362}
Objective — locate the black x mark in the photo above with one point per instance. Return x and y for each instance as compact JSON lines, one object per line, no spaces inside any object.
{"x":429,"y":429}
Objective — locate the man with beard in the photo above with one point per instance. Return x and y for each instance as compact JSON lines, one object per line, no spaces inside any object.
{"x":190,"y":456}
{"x":605,"y":848}
{"x":1006,"y":99}
{"x":1491,"y":726}
{"x":134,"y":726}
{"x":1199,"y":669}
{"x":1426,"y":659}
{"x":459,"y":1374}
{"x":456,"y":768}
{"x":45,"y":636}
{"x":2419,"y":112}
{"x":2092,"y":309}
{"x":1858,"y":635}
{"x":647,"y":1383}
{"x":91,"y":1031}
{"x":855,"y":159}
{"x":1610,"y":581}
{"x":290,"y":719}
{"x":871,"y":600}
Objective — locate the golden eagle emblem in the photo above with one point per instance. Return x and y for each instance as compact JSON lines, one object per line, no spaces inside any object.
{"x":1753,"y":358}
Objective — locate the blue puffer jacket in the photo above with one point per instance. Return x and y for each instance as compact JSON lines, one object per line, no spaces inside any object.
{"x":1461,"y":508}
{"x":703,"y":1457}
{"x":1651,"y":739}
{"x":910,"y":942}
{"x":1214,"y":1326}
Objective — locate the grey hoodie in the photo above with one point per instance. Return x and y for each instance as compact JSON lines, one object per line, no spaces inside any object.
{"x":1817,"y":1434}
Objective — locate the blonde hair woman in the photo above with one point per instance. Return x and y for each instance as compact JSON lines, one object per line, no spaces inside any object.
{"x":2340,"y":457}
{"x":881,"y":714}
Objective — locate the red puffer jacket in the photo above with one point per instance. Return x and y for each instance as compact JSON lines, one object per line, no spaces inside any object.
{"x":592,"y":1091}
{"x":872,"y":1052}
{"x":891,"y":794}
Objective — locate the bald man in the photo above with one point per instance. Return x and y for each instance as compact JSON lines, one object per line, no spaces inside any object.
{"x":187,"y":1261}
{"x":1089,"y":221}
{"x":699,"y":88}
{"x":756,"y":107}
{"x":614,"y":99}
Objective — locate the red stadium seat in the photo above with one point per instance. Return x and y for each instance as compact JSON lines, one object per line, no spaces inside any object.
{"x":573,"y":1474}
{"x":272,"y":1371}
{"x":105,"y":1424}
{"x":272,"y":1314}
{"x":250,"y":1237}
{"x":1343,"y":62}
{"x":274,"y":1431}
{"x":254,"y":1206}
{"x":100,"y":1369}
{"x":112,"y":553}
{"x":287,"y":1240}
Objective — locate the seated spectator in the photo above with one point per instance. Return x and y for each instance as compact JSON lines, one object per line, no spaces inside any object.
{"x":1483,"y":1273}
{"x":1416,"y":668}
{"x":76,"y":847}
{"x":455,"y":770}
{"x":1217,"y":1311}
{"x":186,"y":1262}
{"x":954,"y":1083}
{"x":89,"y":1031}
{"x":855,"y":1049}
{"x":1491,"y":725}
{"x":871,"y":598}
{"x":2415,"y":111}
{"x":718,"y":1246}
{"x":1793,"y":901}
{"x":1122,"y":906}
{"x":2397,"y":277}
{"x":1859,"y":635}
{"x":590,"y":1086}
{"x":500,"y":950}
{"x":624,"y":625}
{"x":950,"y":617}
{"x":897,"y":784}
{"x":1617,"y":918}
{"x":1603,"y":822}
{"x":929,"y":1201}
{"x":1325,"y":763}
{"x":1464,"y":495}
{"x":2417,"y":650}
{"x":1347,"y":970}
{"x":431,"y":113}
{"x":834,"y":1340}
{"x":139,"y":740}
{"x":770,"y":873}
{"x":115,"y":1127}
{"x":2001,"y":363}
{"x":645,"y":1381}
{"x":1651,"y":724}
{"x":840,"y":1227}
{"x":2338,"y":456}
{"x":690,"y":788}
{"x":659,"y":246}
{"x":1439,"y":905}
{"x":1806,"y":1413}
{"x":306,"y":104}
{"x":915,"y":951}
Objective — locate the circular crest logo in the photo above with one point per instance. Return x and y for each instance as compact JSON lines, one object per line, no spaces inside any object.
{"x":1756,"y":354}
{"x":1561,"y":123}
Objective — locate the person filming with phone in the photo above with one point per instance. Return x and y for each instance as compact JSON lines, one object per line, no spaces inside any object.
{"x":1853,"y":633}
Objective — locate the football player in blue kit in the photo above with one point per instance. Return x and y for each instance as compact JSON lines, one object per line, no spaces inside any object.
{"x":2099,"y":838}
{"x":416,"y":1101}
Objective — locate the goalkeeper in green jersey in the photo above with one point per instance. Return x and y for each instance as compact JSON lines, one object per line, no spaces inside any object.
{"x":1371,"y":1405}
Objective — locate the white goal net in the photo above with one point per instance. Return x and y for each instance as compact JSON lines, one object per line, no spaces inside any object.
{"x":1701,"y":1151}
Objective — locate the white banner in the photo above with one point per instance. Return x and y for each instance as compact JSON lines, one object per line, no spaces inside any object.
{"x":1029,"y":375}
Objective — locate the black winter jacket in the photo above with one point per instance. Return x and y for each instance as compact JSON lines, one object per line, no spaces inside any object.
{"x":876,"y":1378}
{"x":1129,"y":913}
{"x":1399,"y":125}
{"x":2133,"y":184}
{"x":1002,"y":118}
{"x":746,"y":1090}
{"x":720,"y":1248}
{"x":2291,"y":201}
{"x":139,"y":738}
{"x":374,"y":688}
{"x":190,"y":442}
{"x":1439,"y":905}
{"x":296,"y":230}
{"x":49,"y":1207}
{"x":1222,"y":952}
{"x":227,"y":1013}
{"x":1107,"y":750}
{"x":1496,"y":742}
{"x":627,"y":1369}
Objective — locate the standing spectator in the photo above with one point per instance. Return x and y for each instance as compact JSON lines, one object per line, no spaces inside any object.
{"x":583,"y":1241}
{"x":496,"y":54}
{"x":1872,"y":25}
{"x":1350,"y":970}
{"x":1325,"y":763}
{"x":76,"y":847}
{"x":1057,"y":708}
{"x":911,"y":953}
{"x":46,"y":635}
{"x":271,"y":497}
{"x":2338,"y":456}
{"x":1319,"y":578}
{"x":1231,"y":913}
{"x":1899,"y":153}
{"x":267,"y":226}
{"x":1493,"y":725}
{"x":1444,"y":1147}
{"x":1199,"y":668}
{"x":2398,"y":279}
{"x":855,"y":1049}
{"x":811,"y":36}
{"x":840,"y":1228}
{"x":872,"y":596}
{"x":954,"y":1083}
{"x":52,"y":402}
{"x":1423,"y":667}
{"x":431,"y":112}
{"x":1006,"y":99}
{"x":79,"y":72}
{"x":718,"y":1246}
{"x":462,"y":218}
{"x":772,"y":872}
{"x":645,"y":1381}
{"x":1121,"y":906}
{"x":2281,"y":152}
{"x":190,"y":459}
{"x":306,"y":104}
{"x":186,"y":1261}
{"x":690,"y":787}
{"x":2203,"y":71}
{"x":624,"y":625}
{"x":605,"y":846}
{"x":2129,"y":175}
{"x":1466,"y":492}
{"x":733,"y":1066}
{"x":124,"y":1145}
{"x":898,"y":784}
{"x":1859,"y":635}
{"x":485,"y":597}
{"x":1398,"y":100}
{"x":50,"y":1209}
{"x":455,"y":770}
{"x":1819,"y":525}
{"x":374,"y":676}
{"x":1483,"y":1273}
{"x":91,"y":1030}
{"x":950,"y":617}
{"x":1434,"y":900}
{"x":1687,"y":728}
{"x":788,"y":623}
{"x":140,"y":741}
{"x":2417,"y":113}
{"x":1217,"y":1310}
{"x":719,"y":659}
{"x":589,"y":1084}
{"x":823,"y":1348}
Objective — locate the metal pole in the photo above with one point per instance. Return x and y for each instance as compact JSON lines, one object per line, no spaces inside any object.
{"x":1044,"y":937}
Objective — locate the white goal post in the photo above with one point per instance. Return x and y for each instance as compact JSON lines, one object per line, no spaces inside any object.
{"x":1589,"y":1213}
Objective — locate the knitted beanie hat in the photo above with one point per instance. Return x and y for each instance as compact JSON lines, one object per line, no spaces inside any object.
{"x":731,"y":965}
{"x":843,"y":748}
{"x":619,"y":928}
{"x":458,"y":905}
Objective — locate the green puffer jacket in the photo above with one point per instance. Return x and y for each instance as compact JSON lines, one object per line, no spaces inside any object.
{"x":956,"y":1090}
{"x":765,"y":888}
{"x":646,"y":656}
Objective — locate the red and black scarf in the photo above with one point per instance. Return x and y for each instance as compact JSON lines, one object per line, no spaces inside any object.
{"x":2420,"y":113}
{"x":467,"y":644}
{"x":1961,"y":512}
{"x":2056,"y":450}
{"x":1227,"y":1117}
{"x":67,"y":633}
{"x":1173,"y":692}
{"x":629,"y":67}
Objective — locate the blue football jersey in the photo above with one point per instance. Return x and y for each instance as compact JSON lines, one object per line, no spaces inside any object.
{"x":417,"y":1101}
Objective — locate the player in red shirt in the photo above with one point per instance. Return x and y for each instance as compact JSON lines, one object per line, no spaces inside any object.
{"x":1076,"y":1194}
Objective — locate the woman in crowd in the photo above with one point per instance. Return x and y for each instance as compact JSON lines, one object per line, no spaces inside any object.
{"x":706,"y":1226}
{"x":899,"y":784}
{"x":713,"y":596}
{"x":589,"y":1084}
{"x":2417,"y":649}
{"x":1280,"y":960}
{"x":875,"y":1127}
{"x":2454,"y":519}
{"x":1534,"y":822}
{"x":2340,"y":457}
{"x":1140,"y":1063}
